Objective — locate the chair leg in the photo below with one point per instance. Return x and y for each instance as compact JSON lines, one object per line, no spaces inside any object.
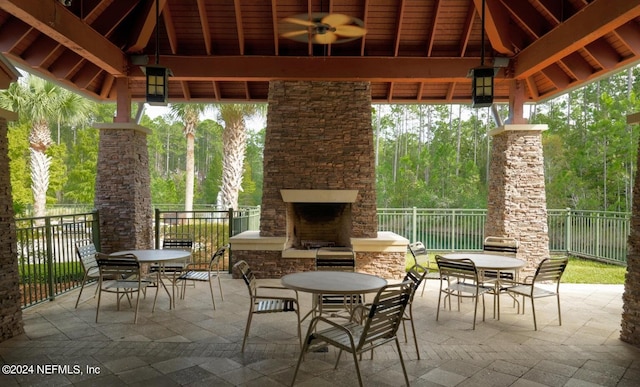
{"x":99,"y":297}
{"x":305,"y":346}
{"x":211,"y":290}
{"x":84,"y":280}
{"x":533,"y":311}
{"x":424,"y":285}
{"x":559,"y":314}
{"x":357,"y":363}
{"x":135,"y":316}
{"x":220,"y":286}
{"x":404,"y":369}
{"x":413,"y":330}
{"x":246,"y":330}
{"x":438,"y":308}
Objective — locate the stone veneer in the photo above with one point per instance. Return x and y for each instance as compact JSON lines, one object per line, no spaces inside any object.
{"x":11,"y":323}
{"x":630,"y":331}
{"x":319,"y":137}
{"x":123,"y":188}
{"x":517,"y":203}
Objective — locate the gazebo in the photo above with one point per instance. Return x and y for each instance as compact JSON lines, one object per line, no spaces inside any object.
{"x":316,"y":57}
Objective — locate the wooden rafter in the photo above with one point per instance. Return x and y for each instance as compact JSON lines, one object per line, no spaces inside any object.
{"x":204,"y":25}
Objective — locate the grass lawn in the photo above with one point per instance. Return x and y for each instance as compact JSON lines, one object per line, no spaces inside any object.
{"x":579,"y":271}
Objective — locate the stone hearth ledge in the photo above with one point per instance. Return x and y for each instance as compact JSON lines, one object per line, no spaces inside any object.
{"x":386,"y":241}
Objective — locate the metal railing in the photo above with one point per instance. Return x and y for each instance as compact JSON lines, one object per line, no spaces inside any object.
{"x":48,"y":265}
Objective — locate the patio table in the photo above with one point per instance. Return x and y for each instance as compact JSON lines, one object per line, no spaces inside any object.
{"x":491,"y":262}
{"x":160,"y":257}
{"x":332,"y":282}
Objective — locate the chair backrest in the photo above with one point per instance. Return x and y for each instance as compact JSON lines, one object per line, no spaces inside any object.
{"x":335,"y":258}
{"x":385,"y":313}
{"x":415,"y":275}
{"x":217,"y":256}
{"x":118,"y":266}
{"x":178,"y":242}
{"x":417,"y":249}
{"x":460,"y":269}
{"x":247,"y":276}
{"x":86,"y":251}
{"x":550,"y":270}
{"x":501,"y":245}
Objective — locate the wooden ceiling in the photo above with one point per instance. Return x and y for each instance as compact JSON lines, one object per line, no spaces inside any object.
{"x":415,"y":51}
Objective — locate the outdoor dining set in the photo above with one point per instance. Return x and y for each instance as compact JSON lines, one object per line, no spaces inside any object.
{"x":351,"y":311}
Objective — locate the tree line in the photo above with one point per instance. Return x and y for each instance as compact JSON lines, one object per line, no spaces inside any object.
{"x":430,"y":156}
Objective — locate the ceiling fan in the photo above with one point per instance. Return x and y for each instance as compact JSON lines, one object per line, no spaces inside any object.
{"x":322,"y":28}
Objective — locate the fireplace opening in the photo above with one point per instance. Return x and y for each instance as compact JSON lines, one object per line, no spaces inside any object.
{"x":314,"y":225}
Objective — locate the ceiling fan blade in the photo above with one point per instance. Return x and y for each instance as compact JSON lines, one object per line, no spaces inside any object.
{"x":326,"y":38}
{"x":293,"y":34}
{"x":350,"y":31}
{"x":337,"y":19}
{"x":300,"y":22}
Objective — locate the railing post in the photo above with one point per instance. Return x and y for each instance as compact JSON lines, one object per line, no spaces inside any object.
{"x":48,"y":237}
{"x":453,"y":229}
{"x":414,"y":225}
{"x":95,"y":229}
{"x":157,"y":228}
{"x":230,"y":235}
{"x":567,"y":227}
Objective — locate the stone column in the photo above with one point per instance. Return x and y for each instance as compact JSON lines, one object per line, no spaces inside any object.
{"x":630,"y":331}
{"x":123,"y":188}
{"x":517,"y":205}
{"x":11,"y":323}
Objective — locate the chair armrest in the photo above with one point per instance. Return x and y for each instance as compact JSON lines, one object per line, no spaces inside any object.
{"x":275,"y":287}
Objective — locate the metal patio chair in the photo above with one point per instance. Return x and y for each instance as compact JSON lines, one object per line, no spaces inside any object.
{"x":86,"y":251}
{"x":265,"y":304}
{"x":549,"y":271}
{"x":459,"y":278}
{"x":205,"y":272}
{"x":418,"y":251}
{"x":369,"y":327}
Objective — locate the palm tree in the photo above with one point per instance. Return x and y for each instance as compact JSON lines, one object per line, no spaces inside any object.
{"x":234,"y":142}
{"x":40,"y":102}
{"x":189,"y":113}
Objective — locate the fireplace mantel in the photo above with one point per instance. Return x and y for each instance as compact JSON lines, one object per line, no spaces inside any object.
{"x":319,"y":195}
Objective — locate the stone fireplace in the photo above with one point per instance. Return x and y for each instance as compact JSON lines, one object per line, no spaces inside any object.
{"x":319,"y":183}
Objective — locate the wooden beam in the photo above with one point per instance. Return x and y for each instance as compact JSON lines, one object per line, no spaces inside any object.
{"x":266,"y":68}
{"x":142,"y":32}
{"x":591,"y":23}
{"x":633,"y":118}
{"x":53,"y":19}
{"x":496,"y":25}
{"x":204,"y":24}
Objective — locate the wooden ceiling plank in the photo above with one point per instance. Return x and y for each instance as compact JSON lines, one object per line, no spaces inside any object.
{"x":629,"y":34}
{"x":145,"y":27}
{"x":450,"y":89}
{"x":86,"y":75}
{"x":603,"y":53}
{"x":553,"y":9}
{"x":41,"y":50}
{"x":204,"y":24}
{"x":557,"y":76}
{"x":592,"y":22}
{"x":534,"y":24}
{"x":579,"y":67}
{"x":247,"y":91}
{"x":432,"y":32}
{"x":51,"y":18}
{"x":496,"y":25}
{"x":11,"y":34}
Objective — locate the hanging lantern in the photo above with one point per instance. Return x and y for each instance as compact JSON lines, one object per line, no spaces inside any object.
{"x":482,"y":86}
{"x":157,"y":85}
